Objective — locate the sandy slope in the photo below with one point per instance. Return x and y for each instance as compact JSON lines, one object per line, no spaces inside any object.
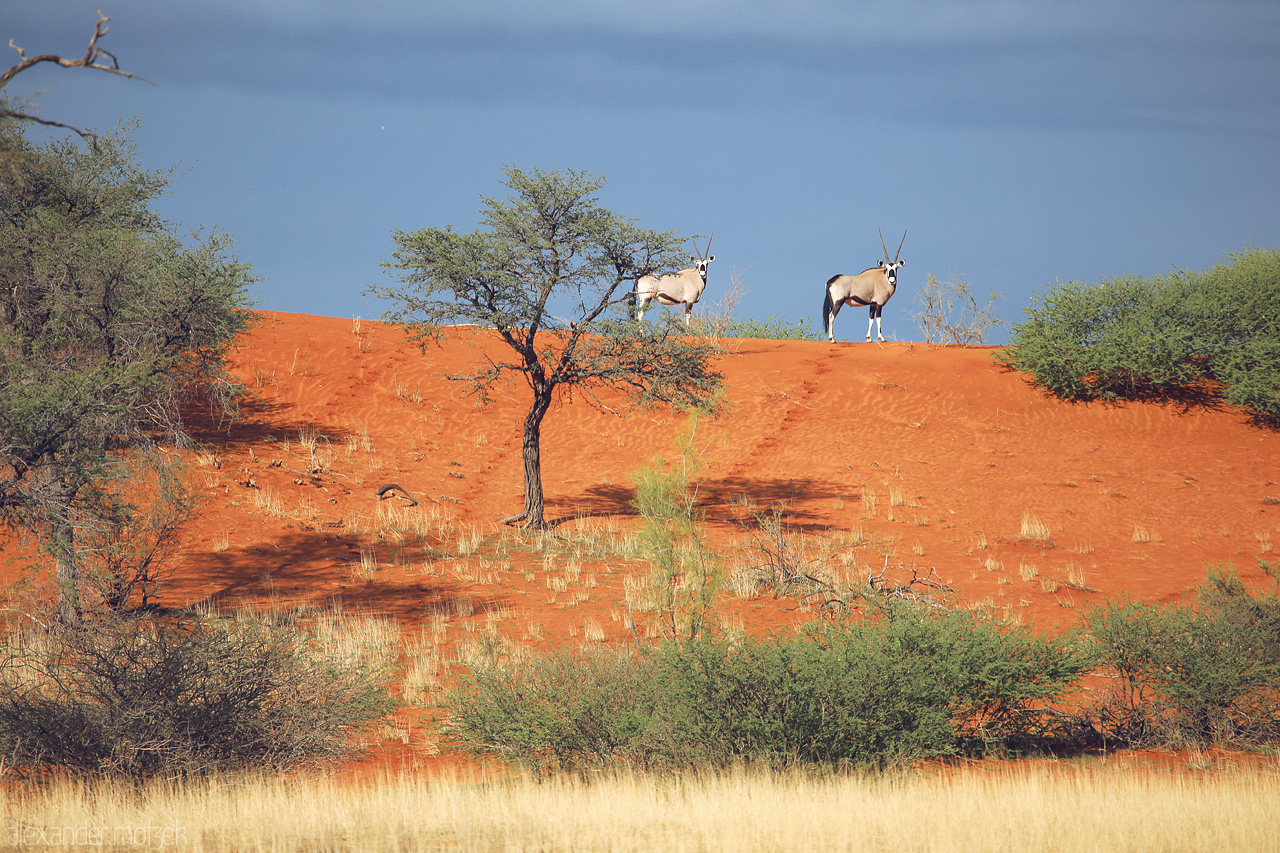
{"x":839,"y":433}
{"x":969,"y":446}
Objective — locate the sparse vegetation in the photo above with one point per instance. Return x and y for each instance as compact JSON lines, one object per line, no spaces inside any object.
{"x":1033,"y":528}
{"x":950,"y":314}
{"x":828,"y":573}
{"x":773,"y":327}
{"x":721,"y":319}
{"x":686,"y":575}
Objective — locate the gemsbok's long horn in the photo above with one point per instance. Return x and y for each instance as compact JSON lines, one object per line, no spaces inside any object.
{"x":895,"y":254}
{"x":709,"y":239}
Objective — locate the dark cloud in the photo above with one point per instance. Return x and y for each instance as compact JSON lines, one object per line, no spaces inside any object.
{"x":1000,"y":132}
{"x":1178,"y":65}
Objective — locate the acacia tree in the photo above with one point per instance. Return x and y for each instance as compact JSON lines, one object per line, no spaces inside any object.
{"x":109,"y":321}
{"x":549,"y":247}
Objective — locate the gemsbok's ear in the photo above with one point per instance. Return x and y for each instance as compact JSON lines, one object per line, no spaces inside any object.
{"x":710,"y":258}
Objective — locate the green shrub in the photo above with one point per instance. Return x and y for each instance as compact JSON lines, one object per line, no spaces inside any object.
{"x":905,"y":683}
{"x":1161,"y":338}
{"x":144,"y":697}
{"x":1205,"y":674}
{"x":684,"y":574}
{"x":560,"y":710}
{"x":773,"y":327}
{"x":838,"y":695}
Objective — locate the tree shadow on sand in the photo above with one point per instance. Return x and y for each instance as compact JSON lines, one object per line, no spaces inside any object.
{"x":259,"y":420}
{"x":315,"y":567}
{"x":726,"y":501}
{"x":1202,"y":395}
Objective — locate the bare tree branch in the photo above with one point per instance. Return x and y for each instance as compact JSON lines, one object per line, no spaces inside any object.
{"x":92,"y":58}
{"x":790,"y":565}
{"x":95,"y":57}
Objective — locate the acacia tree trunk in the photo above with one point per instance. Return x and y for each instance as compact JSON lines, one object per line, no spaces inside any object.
{"x":67,"y":572}
{"x":534,"y":507}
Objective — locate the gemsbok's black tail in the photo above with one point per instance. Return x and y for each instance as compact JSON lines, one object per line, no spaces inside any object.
{"x":826,"y":313}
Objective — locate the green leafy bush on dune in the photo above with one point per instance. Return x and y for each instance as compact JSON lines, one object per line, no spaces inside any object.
{"x":902,"y":683}
{"x":1161,"y":338}
{"x":1202,"y":673}
{"x":894,"y":683}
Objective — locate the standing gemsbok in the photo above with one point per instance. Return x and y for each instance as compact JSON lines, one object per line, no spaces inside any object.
{"x":871,"y":287}
{"x":681,"y":288}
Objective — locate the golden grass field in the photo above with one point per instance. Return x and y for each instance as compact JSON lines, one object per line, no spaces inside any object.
{"x":1061,"y":807}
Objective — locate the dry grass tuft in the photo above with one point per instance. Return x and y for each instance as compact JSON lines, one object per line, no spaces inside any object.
{"x":1141,"y":534}
{"x":468,"y":541}
{"x":406,"y":394}
{"x":269,"y":502}
{"x":1034,"y":528}
{"x":367,"y":568}
{"x":1075,"y":576}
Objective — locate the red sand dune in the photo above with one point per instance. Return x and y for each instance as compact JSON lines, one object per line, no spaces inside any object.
{"x":966,"y":446}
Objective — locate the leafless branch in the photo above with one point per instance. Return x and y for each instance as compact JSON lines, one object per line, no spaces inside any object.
{"x":95,"y":57}
{"x":928,"y":588}
{"x":792,"y":567}
{"x":950,"y":314}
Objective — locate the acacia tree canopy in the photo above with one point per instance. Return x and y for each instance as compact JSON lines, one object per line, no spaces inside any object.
{"x":109,"y":321}
{"x":546,"y":271}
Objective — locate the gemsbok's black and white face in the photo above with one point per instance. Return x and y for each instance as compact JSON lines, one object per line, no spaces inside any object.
{"x":891,"y":270}
{"x":700,"y":264}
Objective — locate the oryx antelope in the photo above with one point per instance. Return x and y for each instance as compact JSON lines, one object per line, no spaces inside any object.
{"x":681,"y":288}
{"x":873,"y":288}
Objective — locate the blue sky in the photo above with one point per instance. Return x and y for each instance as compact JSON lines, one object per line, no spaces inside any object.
{"x":1020,"y":142}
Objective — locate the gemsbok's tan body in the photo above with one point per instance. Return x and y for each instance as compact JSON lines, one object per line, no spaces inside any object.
{"x":873,"y":288}
{"x":681,"y":288}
